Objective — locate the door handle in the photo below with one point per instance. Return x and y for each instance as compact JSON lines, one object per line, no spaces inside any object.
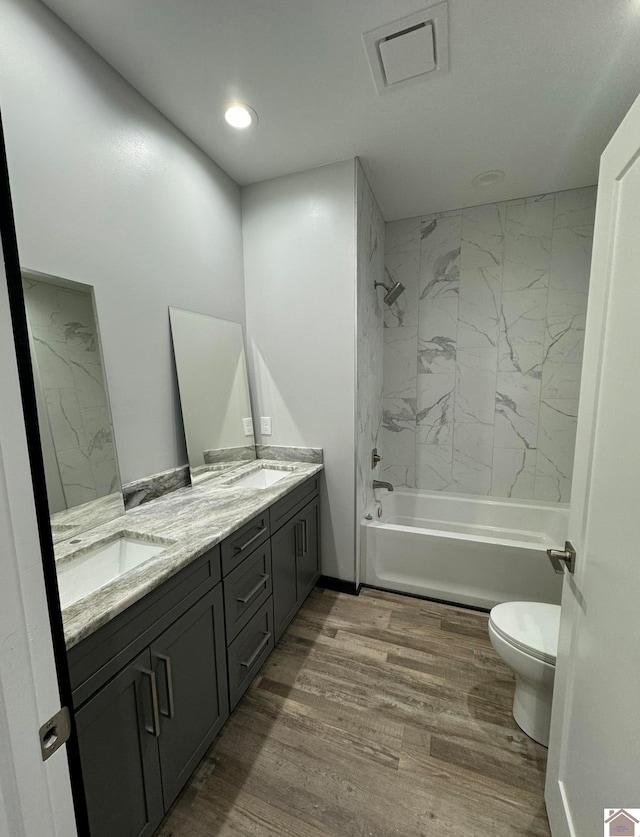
{"x":265,"y":640}
{"x":155,"y":728}
{"x":563,"y":557}
{"x":298,"y":539}
{"x":305,"y":528}
{"x":251,"y":593}
{"x":168,"y":675}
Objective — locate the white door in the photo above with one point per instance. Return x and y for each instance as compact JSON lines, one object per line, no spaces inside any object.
{"x":35,"y":797}
{"x":594,"y":753}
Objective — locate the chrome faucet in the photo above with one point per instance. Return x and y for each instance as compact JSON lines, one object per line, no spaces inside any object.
{"x":382,"y":484}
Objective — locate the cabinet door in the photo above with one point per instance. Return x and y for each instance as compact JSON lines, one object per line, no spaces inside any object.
{"x":190,"y":665}
{"x":308,"y":554}
{"x":117,"y":731}
{"x":284,"y":546}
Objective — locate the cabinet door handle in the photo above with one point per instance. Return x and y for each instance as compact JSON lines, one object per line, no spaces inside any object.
{"x":251,"y":593}
{"x":238,"y":549}
{"x":263,"y":644}
{"x":305,"y":527}
{"x":155,"y":728}
{"x":299,"y":540}
{"x":168,"y":674}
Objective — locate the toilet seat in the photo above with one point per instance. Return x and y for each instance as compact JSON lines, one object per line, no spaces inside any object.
{"x":531,"y":627}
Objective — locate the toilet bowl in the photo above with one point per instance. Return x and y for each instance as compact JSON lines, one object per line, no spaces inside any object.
{"x":525,"y":636}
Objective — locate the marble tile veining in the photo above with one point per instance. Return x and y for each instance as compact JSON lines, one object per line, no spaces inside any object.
{"x":493,"y":360}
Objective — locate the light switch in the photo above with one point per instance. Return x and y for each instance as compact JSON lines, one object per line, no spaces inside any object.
{"x":408,"y":54}
{"x":248,"y":426}
{"x":265,"y":425}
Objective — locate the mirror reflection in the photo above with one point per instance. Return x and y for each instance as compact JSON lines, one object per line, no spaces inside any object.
{"x":214,"y":392}
{"x":74,"y":416}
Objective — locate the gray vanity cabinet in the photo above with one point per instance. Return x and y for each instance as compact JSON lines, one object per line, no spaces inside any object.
{"x":119,"y":755}
{"x":189,"y":663}
{"x":295,"y":561}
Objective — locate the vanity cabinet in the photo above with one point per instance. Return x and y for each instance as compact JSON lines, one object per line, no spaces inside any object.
{"x":295,"y":559}
{"x":142,"y":734}
{"x":153,"y":687}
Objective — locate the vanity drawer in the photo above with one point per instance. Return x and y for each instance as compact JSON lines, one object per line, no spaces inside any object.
{"x":248,"y":651}
{"x":283,"y":509}
{"x":246,"y":589}
{"x":236,"y":547}
{"x":101,"y":655}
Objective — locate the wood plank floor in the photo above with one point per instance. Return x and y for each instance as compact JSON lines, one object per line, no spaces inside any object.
{"x":376,"y":715}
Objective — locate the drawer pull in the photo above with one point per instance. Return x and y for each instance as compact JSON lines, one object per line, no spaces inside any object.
{"x":238,"y":549}
{"x":155,"y":728}
{"x":169,"y":680}
{"x":258,"y":651}
{"x":251,"y":593}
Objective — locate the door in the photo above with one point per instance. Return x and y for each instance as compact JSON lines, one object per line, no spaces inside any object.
{"x":189,"y":660}
{"x":307,"y":566}
{"x":35,"y":797}
{"x":594,"y":752}
{"x":284,"y":549}
{"x":117,"y":733}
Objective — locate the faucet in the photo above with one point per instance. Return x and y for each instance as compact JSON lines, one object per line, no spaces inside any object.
{"x":382,"y":484}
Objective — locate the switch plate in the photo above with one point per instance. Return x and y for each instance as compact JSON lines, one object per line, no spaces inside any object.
{"x":265,"y":425}
{"x":248,"y":426}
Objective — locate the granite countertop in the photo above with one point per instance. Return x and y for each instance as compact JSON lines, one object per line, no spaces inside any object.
{"x":188,"y":521}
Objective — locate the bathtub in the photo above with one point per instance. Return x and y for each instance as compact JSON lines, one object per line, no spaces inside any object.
{"x":476,"y":551}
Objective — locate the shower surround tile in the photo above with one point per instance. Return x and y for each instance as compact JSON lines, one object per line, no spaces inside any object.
{"x":400,"y":362}
{"x":440,"y":241}
{"x":500,"y":316}
{"x":370,"y":267}
{"x":480,"y":307}
{"x":472,"y":458}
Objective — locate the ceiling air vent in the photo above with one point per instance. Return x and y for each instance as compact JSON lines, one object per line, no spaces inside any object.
{"x":409,"y":50}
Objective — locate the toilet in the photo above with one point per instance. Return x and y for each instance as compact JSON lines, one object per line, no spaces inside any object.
{"x":525,"y":636}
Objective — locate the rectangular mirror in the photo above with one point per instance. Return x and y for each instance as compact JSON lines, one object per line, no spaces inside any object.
{"x":214,"y":392}
{"x":74,"y":416}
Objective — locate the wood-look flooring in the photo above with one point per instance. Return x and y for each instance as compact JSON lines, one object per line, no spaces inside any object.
{"x":376,"y":715}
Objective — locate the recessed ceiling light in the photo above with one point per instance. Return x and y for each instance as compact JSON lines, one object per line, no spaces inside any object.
{"x":488,"y":178}
{"x":240,"y":116}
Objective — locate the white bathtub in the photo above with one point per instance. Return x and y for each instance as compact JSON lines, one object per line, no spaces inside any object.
{"x":471,"y":550}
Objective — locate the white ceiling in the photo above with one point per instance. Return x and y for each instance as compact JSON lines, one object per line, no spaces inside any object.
{"x":536,"y":87}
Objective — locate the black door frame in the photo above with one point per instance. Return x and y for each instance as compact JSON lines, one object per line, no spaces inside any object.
{"x":27,"y":390}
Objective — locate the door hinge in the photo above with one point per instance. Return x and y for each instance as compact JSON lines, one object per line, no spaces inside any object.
{"x":55,"y":732}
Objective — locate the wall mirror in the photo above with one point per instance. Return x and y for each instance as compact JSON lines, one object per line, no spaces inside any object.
{"x":214,"y":392}
{"x":74,"y":416}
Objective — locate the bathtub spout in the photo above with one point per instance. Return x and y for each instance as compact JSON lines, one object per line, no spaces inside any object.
{"x":382,"y":484}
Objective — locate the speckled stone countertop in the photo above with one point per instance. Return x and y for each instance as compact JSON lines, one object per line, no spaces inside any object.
{"x":189,"y":522}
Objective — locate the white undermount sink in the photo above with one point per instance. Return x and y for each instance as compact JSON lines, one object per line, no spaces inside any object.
{"x":262,"y":478}
{"x":80,"y":575}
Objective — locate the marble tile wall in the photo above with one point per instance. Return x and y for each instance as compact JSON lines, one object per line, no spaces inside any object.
{"x":483,"y":352}
{"x":71,"y":374}
{"x":370,"y":269}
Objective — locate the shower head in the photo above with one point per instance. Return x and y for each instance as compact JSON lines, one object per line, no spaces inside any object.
{"x":392,"y":293}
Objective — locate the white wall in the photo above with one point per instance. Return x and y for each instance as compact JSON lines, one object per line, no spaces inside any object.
{"x":299,"y":252}
{"x":108,"y":192}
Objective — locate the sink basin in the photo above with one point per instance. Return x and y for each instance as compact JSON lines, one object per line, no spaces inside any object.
{"x":80,"y":575}
{"x":262,"y":478}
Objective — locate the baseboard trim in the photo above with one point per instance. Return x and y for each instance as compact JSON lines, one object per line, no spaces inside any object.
{"x":328,"y":582}
{"x":426,"y":598}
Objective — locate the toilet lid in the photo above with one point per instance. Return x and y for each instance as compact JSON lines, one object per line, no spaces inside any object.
{"x":531,"y":626}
